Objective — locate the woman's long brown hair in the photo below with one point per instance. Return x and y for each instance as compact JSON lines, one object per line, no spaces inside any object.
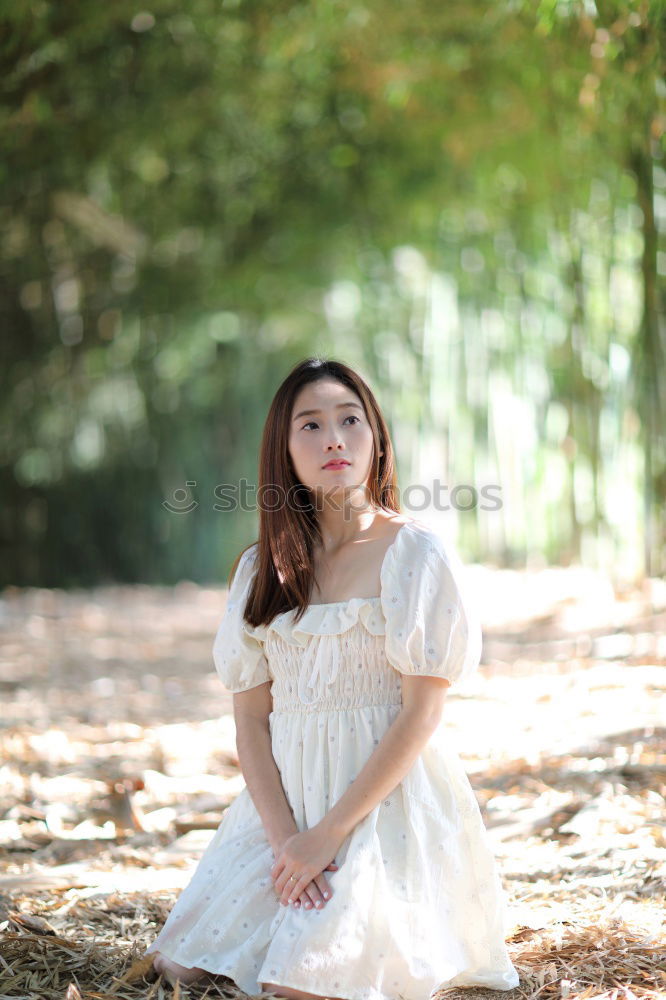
{"x":289,"y":533}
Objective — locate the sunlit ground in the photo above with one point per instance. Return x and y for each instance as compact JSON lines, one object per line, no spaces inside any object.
{"x":118,"y":759}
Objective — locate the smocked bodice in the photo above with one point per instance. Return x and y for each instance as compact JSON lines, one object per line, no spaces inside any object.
{"x":334,"y":658}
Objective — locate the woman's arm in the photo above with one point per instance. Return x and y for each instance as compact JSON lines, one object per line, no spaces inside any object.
{"x":423,"y":703}
{"x":255,"y":754}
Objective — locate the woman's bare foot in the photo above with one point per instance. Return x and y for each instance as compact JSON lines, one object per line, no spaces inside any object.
{"x":172,"y":971}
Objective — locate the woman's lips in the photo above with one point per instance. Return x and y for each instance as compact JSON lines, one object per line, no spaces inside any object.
{"x":336,"y":465}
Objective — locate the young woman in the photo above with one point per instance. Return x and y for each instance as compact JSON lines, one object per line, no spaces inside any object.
{"x":354,"y":864}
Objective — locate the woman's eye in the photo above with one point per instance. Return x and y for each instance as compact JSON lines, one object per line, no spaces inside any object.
{"x":352,"y":416}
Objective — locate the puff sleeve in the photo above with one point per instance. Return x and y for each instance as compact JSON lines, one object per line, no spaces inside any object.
{"x":238,"y":655}
{"x":432,"y":625}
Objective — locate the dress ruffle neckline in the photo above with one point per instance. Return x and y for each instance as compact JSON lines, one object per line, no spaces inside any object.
{"x":326,"y":619}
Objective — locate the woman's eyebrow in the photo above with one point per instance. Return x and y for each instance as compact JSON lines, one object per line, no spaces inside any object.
{"x":307,"y":413}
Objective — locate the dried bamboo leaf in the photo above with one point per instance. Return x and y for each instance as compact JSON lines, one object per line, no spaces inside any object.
{"x":138,"y":969}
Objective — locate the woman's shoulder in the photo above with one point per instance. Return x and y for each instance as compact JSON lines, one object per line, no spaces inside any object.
{"x":250,"y":552}
{"x":415,"y":537}
{"x":416,"y":556}
{"x":243,"y":563}
{"x":427,"y":568}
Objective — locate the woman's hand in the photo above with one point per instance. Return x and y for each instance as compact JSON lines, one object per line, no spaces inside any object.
{"x":306,"y":855}
{"x":313,"y":894}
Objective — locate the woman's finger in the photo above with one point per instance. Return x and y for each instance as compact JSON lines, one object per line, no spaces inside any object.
{"x":308,"y":898}
{"x":284,"y":883}
{"x":292,"y":889}
{"x":288,"y":888}
{"x":314,"y":892}
{"x":323,"y":886}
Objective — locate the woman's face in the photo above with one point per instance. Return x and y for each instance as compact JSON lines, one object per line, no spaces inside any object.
{"x":336,"y":429}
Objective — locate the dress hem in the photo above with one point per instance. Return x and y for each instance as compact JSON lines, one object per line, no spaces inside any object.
{"x":457,"y":981}
{"x":375,"y":994}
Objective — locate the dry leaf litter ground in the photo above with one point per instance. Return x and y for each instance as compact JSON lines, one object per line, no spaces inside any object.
{"x":113,"y":778}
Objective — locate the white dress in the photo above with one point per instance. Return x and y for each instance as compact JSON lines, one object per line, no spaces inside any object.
{"x":417,"y":901}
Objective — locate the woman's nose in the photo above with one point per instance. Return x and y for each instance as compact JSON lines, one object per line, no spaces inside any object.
{"x":333,"y":439}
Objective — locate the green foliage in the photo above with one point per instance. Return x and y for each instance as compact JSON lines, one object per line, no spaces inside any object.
{"x":185,"y":188}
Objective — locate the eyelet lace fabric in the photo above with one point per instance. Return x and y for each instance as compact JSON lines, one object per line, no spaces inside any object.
{"x":418,"y":904}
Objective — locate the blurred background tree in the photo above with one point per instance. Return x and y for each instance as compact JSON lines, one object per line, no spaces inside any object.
{"x":467,"y":202}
